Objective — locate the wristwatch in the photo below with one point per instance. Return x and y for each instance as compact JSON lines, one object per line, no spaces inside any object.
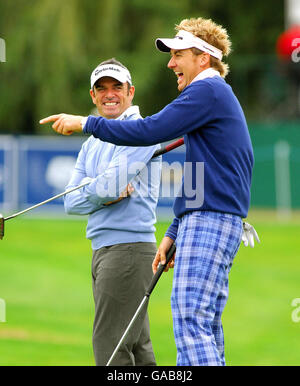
{"x":83,"y":122}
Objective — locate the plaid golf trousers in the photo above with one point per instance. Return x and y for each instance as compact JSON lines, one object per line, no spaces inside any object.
{"x":205,"y":248}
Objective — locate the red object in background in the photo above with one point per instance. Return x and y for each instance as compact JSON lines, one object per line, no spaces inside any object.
{"x":287,"y":42}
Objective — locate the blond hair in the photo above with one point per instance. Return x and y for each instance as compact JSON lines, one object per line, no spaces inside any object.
{"x":213,"y":34}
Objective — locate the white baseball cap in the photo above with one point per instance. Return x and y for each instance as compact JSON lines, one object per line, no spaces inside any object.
{"x":111,"y":70}
{"x":184,"y":40}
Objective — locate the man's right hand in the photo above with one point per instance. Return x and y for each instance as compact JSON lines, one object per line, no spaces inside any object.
{"x":160,"y":257}
{"x":65,"y":124}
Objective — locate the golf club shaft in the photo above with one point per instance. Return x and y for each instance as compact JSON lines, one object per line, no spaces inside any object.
{"x":146,"y":297}
{"x":49,"y":200}
{"x":158,"y":152}
{"x":127,"y":329}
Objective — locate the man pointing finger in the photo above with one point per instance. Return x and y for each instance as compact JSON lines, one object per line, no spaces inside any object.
{"x":207,"y":232}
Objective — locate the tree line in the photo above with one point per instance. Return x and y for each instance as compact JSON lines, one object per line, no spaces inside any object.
{"x":52,"y":46}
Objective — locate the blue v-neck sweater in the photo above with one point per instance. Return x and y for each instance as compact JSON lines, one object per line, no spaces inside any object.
{"x":219,"y":154}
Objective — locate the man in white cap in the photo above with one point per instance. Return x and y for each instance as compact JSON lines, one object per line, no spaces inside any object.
{"x":215,"y":193}
{"x":122,"y":234}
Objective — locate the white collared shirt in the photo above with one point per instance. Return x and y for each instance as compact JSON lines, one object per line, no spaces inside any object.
{"x":132,"y":110}
{"x":208,"y":73}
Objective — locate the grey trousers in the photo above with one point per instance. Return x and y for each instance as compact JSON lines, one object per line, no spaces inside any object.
{"x":121,"y":274}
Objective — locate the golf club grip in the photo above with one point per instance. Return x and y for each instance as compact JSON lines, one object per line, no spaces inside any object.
{"x":160,"y":270}
{"x":168,"y":148}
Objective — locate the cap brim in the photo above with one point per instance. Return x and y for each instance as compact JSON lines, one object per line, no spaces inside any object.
{"x":111,"y":74}
{"x":165,"y":45}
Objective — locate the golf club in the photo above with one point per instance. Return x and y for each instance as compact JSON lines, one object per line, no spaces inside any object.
{"x":158,"y":152}
{"x":146,"y":297}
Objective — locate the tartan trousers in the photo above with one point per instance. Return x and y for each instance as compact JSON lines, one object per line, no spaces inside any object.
{"x":205,"y":248}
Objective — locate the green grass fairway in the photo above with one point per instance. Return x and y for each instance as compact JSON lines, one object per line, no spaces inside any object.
{"x":45,"y":283}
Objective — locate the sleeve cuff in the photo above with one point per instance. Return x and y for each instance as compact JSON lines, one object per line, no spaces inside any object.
{"x":83,"y":122}
{"x":173,"y":229}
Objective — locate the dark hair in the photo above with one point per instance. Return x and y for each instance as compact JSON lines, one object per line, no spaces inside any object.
{"x":113,"y":61}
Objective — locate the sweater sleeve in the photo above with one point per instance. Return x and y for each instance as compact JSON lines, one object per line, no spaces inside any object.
{"x":124,"y":166}
{"x":191,"y":110}
{"x":173,"y":229}
{"x":76,"y":202}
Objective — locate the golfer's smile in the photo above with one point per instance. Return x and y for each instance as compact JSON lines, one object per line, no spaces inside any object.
{"x":185,"y":66}
{"x":111,"y":108}
{"x":111,"y":97}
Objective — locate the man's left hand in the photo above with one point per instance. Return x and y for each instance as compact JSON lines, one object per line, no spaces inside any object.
{"x":126,"y":193}
{"x":64,"y":124}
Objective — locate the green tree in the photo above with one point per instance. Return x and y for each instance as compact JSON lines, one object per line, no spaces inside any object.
{"x":52,"y":46}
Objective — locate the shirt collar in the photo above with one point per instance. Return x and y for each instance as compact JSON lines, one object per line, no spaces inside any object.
{"x":132,"y":110}
{"x":208,"y":73}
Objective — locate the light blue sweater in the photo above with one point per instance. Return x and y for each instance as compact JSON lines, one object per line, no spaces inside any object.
{"x":111,"y":168}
